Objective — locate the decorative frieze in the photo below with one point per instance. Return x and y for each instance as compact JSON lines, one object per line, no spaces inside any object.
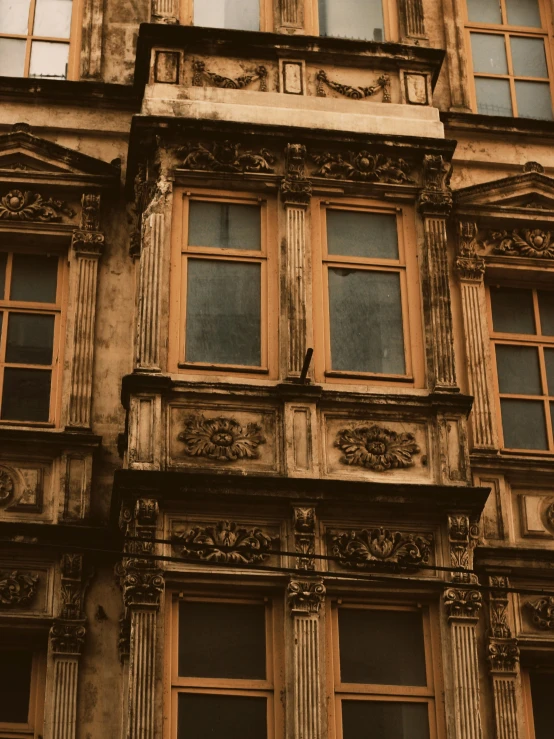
{"x":226,"y":156}
{"x":225,"y":542}
{"x":303,"y":522}
{"x":354,"y":93}
{"x":201,"y":74}
{"x":32,"y":206}
{"x":17,"y":589}
{"x":221,"y":439}
{"x":369,"y":548}
{"x":542,"y":612}
{"x":377,"y":448}
{"x":306,"y":596}
{"x":362,"y":166}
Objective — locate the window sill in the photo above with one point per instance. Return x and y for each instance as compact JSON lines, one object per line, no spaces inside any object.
{"x":368,"y":376}
{"x":223,"y":368}
{"x":477,"y":122}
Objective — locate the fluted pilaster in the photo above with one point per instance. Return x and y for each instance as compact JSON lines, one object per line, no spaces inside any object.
{"x":412,"y":19}
{"x":64,"y":718}
{"x":466,"y":679}
{"x":142,"y":674}
{"x":148,"y":328}
{"x":165,"y":11}
{"x":296,"y":288}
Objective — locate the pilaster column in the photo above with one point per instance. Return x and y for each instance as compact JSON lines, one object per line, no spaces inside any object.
{"x":471,"y":269}
{"x":412,"y":20}
{"x":296,"y":192}
{"x":165,"y":11}
{"x":291,"y":13}
{"x":435,"y":203}
{"x":88,"y":246}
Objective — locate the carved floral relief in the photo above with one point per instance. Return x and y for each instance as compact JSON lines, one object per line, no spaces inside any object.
{"x":17,"y":589}
{"x":377,"y":448}
{"x":225,"y":542}
{"x":362,"y":166}
{"x":222,"y":439}
{"x":366,"y":548}
{"x":7,"y":486}
{"x":31,"y":206}
{"x":522,"y":243}
{"x":226,"y":156}
{"x":542,"y":612}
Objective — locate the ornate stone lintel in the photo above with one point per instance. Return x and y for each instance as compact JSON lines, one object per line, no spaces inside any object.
{"x":226,"y":542}
{"x":226,"y":157}
{"x":436,"y":196}
{"x":462,"y":604}
{"x":17,"y":589}
{"x":303,"y":520}
{"x":306,"y":596}
{"x":30,"y":206}
{"x":503,"y":656}
{"x":67,"y":637}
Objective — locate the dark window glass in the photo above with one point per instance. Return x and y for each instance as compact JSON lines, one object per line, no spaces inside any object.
{"x":221,"y":717}
{"x":518,"y":370}
{"x":3,"y":262}
{"x":542,"y":691}
{"x":34,"y":278}
{"x":223,"y":313}
{"x":484,"y":11}
{"x":367,"y":639}
{"x":523,"y":423}
{"x":366,"y":321}
{"x":30,"y":339}
{"x":240,"y":14}
{"x":361,"y":19}
{"x":353,"y":234}
{"x":26,"y":395}
{"x":512,"y":310}
{"x":385,"y":720}
{"x":546,"y":307}
{"x":15,"y":685}
{"x":224,"y":225}
{"x":224,"y":640}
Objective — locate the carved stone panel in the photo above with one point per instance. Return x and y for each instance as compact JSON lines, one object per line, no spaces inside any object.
{"x":25,"y":589}
{"x":380,"y":548}
{"x":536,"y":516}
{"x":22,"y":490}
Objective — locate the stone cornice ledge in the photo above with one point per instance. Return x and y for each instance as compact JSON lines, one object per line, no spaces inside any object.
{"x":478,"y":124}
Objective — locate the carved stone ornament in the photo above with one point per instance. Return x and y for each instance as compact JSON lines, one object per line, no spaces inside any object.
{"x":462,"y":603}
{"x":498,"y":607}
{"x":303,"y":521}
{"x":31,"y":206}
{"x":295,"y":188}
{"x":377,"y":448}
{"x":17,"y":589}
{"x":226,"y":543}
{"x":436,"y":195}
{"x":462,"y":536}
{"x":221,"y":439}
{"x":542,"y":612}
{"x":142,"y":587}
{"x":503,"y":655}
{"x":67,"y":637}
{"x":469,"y":265}
{"x":367,"y":548}
{"x":7,"y":486}
{"x":226,"y":157}
{"x":362,"y":167}
{"x":534,"y":243}
{"x":533,"y":167}
{"x":200,"y":74}
{"x":549,"y":515}
{"x":354,"y":93}
{"x":305,"y":596}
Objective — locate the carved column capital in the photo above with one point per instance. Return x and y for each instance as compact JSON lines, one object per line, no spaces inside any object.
{"x":469,"y":265}
{"x":67,"y":636}
{"x":142,"y":588}
{"x":305,"y":596}
{"x":462,"y":603}
{"x":295,"y":188}
{"x":435,"y":198}
{"x":503,"y":656}
{"x":88,"y":240}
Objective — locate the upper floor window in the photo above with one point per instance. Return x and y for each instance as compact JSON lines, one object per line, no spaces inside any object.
{"x":510,"y":57}
{"x":354,"y":19}
{"x":35,"y":38}
{"x":538,"y":690}
{"x":240,"y":14}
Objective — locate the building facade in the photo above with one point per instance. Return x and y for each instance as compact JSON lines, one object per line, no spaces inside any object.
{"x":272,"y":466}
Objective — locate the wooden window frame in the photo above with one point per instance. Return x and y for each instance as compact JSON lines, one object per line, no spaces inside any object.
{"x":529,"y":340}
{"x":505,"y":30}
{"x":406,"y":266}
{"x":266,"y":256}
{"x":266,"y":14}
{"x":74,"y":40}
{"x":528,"y":699}
{"x":270,"y":688}
{"x":57,"y":309}
{"x":430,"y":694}
{"x":33,"y":728}
{"x":390,"y":18}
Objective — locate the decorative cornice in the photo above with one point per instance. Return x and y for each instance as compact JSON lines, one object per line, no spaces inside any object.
{"x":67,"y":637}
{"x":200,"y":74}
{"x":226,"y":543}
{"x":305,"y":596}
{"x":462,"y":603}
{"x":542,"y":612}
{"x":303,"y":521}
{"x":379,"y":546}
{"x":362,"y":166}
{"x":17,"y":589}
{"x":221,"y":439}
{"x":31,"y":206}
{"x":226,"y":156}
{"x":377,"y":448}
{"x":354,"y":93}
{"x":435,"y":198}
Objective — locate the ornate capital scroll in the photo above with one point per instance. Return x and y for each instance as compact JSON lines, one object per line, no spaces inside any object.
{"x":303,"y":521}
{"x":17,"y":205}
{"x":221,"y":439}
{"x":306,"y":596}
{"x":468,"y":264}
{"x":377,"y":448}
{"x":17,"y":589}
{"x":435,"y":198}
{"x":226,"y":543}
{"x":67,"y":636}
{"x":367,"y":549}
{"x":463,"y":603}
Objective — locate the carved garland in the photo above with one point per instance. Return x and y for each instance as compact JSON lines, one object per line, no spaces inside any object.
{"x":226,"y":543}
{"x":221,"y":439}
{"x":200,"y":73}
{"x":17,"y":589}
{"x":30,"y":206}
{"x":377,"y":448}
{"x":354,"y":93}
{"x":226,"y":157}
{"x":392,"y":549}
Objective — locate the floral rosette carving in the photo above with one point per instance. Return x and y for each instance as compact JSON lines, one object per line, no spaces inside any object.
{"x":362,"y":166}
{"x":529,"y":243}
{"x":225,"y":543}
{"x":226,"y":156}
{"x":17,"y":589}
{"x":221,"y":439}
{"x":377,"y":448}
{"x":542,"y":612}
{"x":367,"y":548}
{"x":30,"y":206}
{"x":7,"y":486}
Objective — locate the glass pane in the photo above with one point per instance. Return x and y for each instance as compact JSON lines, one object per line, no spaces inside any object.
{"x":223,"y":312}
{"x":484,"y":11}
{"x":523,"y":423}
{"x":49,"y":59}
{"x":366,"y":322}
{"x":523,"y":13}
{"x":233,"y":634}
{"x":53,"y":18}
{"x":242,"y":14}
{"x":15,"y":685}
{"x":224,"y":225}
{"x":385,"y":720}
{"x":542,"y":690}
{"x":30,"y":339}
{"x":12,"y":57}
{"x":493,"y":97}
{"x":518,"y":370}
{"x":34,"y":278}
{"x":14,"y":18}
{"x":369,"y":235}
{"x":528,"y":57}
{"x":546,"y":308}
{"x":504,"y":316}
{"x":549,"y":362}
{"x":216,"y":716}
{"x":533,"y":100}
{"x":367,"y":639}
{"x":489,"y":53}
{"x":3,"y":262}
{"x":361,"y":19}
{"x":26,"y":394}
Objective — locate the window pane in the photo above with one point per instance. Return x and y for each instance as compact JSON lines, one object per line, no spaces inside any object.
{"x":242,"y":14}
{"x":224,"y":225}
{"x":505,"y":318}
{"x":34,"y":278}
{"x":15,"y":685}
{"x":361,"y":19}
{"x":549,"y":362}
{"x":368,"y":639}
{"x":518,"y":370}
{"x":49,"y":59}
{"x":528,"y":57}
{"x":216,"y":716}
{"x":53,"y":18}
{"x":385,"y":720}
{"x":232,"y":634}
{"x":542,"y":690}
{"x":30,"y":339}
{"x":484,"y":11}
{"x":3,"y":262}
{"x":223,"y":312}
{"x":26,"y":394}
{"x":523,"y":423}
{"x":493,"y":97}
{"x":362,"y":234}
{"x":366,"y":322}
{"x":14,"y":18}
{"x":523,"y":13}
{"x":546,"y":308}
{"x":489,"y":53}
{"x":533,"y":100}
{"x":12,"y":56}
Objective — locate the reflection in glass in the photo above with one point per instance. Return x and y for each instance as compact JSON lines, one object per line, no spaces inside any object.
{"x":546,"y":309}
{"x":26,"y":394}
{"x":484,"y":11}
{"x":523,"y":13}
{"x":15,"y":685}
{"x":512,"y":310}
{"x":359,"y":19}
{"x":49,"y":59}
{"x":217,"y":716}
{"x":533,"y":100}
{"x":240,"y":14}
{"x":489,"y":53}
{"x":523,"y":423}
{"x":53,"y":18}
{"x":12,"y":54}
{"x":30,"y":339}
{"x":34,"y":278}
{"x":493,"y":97}
{"x":528,"y":57}
{"x":14,"y":18}
{"x":518,"y":370}
{"x":385,"y":719}
{"x":224,"y":225}
{"x":355,"y":234}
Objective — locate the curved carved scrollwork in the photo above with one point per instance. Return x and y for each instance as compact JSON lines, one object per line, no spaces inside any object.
{"x":31,"y":206}
{"x":463,"y":603}
{"x":354,"y":93}
{"x":542,"y":612}
{"x":377,"y":448}
{"x":17,"y":589}
{"x":200,"y":73}
{"x":226,"y":543}
{"x":221,"y":439}
{"x":392,"y":549}
{"x":363,"y":167}
{"x":306,"y":596}
{"x":226,"y":157}
{"x":532,"y":242}
{"x":7,"y":486}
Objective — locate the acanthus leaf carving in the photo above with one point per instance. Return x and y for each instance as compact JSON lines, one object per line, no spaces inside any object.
{"x":503,"y":655}
{"x":354,"y":93}
{"x":200,"y":73}
{"x":221,"y":439}
{"x":142,"y":586}
{"x":67,"y":636}
{"x":469,"y":265}
{"x":379,"y":546}
{"x":17,"y":589}
{"x":303,"y":520}
{"x":542,"y":612}
{"x":31,"y":206}
{"x":306,"y":596}
{"x":498,"y":605}
{"x":295,"y":188}
{"x":377,"y":448}
{"x":532,"y":242}
{"x":463,"y":603}
{"x":462,"y":536}
{"x":225,"y":543}
{"x":436,"y":196}
{"x":227,"y":157}
{"x":362,"y":166}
